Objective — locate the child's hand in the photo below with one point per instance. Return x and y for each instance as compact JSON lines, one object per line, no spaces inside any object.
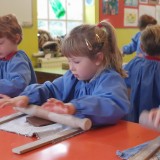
{"x":57,"y":106}
{"x":20,"y":101}
{"x":154,"y":117}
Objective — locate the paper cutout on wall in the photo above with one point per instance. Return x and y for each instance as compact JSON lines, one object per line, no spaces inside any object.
{"x":110,"y":7}
{"x":130,"y":17}
{"x":21,"y":8}
{"x":131,"y":3}
{"x":57,"y":8}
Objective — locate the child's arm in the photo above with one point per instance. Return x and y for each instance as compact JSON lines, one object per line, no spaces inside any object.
{"x":132,"y":46}
{"x":59,"y":89}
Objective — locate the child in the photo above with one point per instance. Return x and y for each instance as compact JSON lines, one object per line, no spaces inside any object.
{"x":135,"y":45}
{"x":144,"y":74}
{"x":16,"y":70}
{"x":93,"y":87}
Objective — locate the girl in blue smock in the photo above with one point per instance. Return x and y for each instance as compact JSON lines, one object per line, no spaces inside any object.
{"x":16,"y":71}
{"x":135,"y":45}
{"x":93,"y":87}
{"x":144,"y":75}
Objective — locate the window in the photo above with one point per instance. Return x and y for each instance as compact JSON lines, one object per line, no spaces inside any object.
{"x":59,"y":16}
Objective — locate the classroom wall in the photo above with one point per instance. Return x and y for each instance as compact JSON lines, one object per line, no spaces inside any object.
{"x":30,"y":41}
{"x":124,"y":36}
{"x":91,"y":13}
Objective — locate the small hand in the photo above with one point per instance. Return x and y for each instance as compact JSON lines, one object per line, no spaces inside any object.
{"x":21,"y":101}
{"x":154,"y":117}
{"x":57,"y":106}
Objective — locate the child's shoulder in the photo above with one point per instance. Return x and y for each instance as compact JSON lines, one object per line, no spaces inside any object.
{"x":110,"y":77}
{"x":134,"y":62}
{"x":139,"y":66}
{"x":20,"y":56}
{"x":110,"y":74}
{"x":21,"y":53}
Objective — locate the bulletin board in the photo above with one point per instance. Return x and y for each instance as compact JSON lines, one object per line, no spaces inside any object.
{"x":125,"y":13}
{"x":21,"y":8}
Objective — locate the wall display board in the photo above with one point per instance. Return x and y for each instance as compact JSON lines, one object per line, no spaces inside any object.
{"x":125,"y":13}
{"x":21,"y":8}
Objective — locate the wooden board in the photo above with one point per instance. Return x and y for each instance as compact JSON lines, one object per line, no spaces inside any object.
{"x":47,"y":140}
{"x":148,"y":151}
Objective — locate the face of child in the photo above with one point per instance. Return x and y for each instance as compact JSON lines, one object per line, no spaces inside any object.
{"x":83,"y":68}
{"x":6,"y":47}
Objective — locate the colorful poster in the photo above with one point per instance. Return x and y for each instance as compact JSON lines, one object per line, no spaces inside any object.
{"x":110,"y":7}
{"x":153,"y":2}
{"x":150,"y":10}
{"x":143,"y":1}
{"x":130,"y":17}
{"x":131,"y":3}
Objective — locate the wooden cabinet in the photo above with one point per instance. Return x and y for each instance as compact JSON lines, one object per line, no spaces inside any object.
{"x":48,"y":74}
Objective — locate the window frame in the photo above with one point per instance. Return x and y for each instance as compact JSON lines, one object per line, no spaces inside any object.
{"x":64,"y":20}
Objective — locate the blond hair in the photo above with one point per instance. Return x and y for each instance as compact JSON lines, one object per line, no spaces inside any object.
{"x":150,"y":40}
{"x":88,"y":40}
{"x":9,"y":27}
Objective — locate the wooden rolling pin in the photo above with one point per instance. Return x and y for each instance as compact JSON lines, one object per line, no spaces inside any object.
{"x":65,"y":119}
{"x":143,"y":120}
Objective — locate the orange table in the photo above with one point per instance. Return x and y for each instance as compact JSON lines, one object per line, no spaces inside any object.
{"x":97,"y":144}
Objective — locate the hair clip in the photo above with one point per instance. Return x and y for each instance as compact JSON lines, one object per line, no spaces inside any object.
{"x":89,"y":46}
{"x":99,"y":25}
{"x":98,"y":38}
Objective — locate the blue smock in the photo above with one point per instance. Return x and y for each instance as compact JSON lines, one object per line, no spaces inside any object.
{"x":144,"y":81}
{"x":15,"y":74}
{"x":134,"y":46}
{"x":104,"y":99}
